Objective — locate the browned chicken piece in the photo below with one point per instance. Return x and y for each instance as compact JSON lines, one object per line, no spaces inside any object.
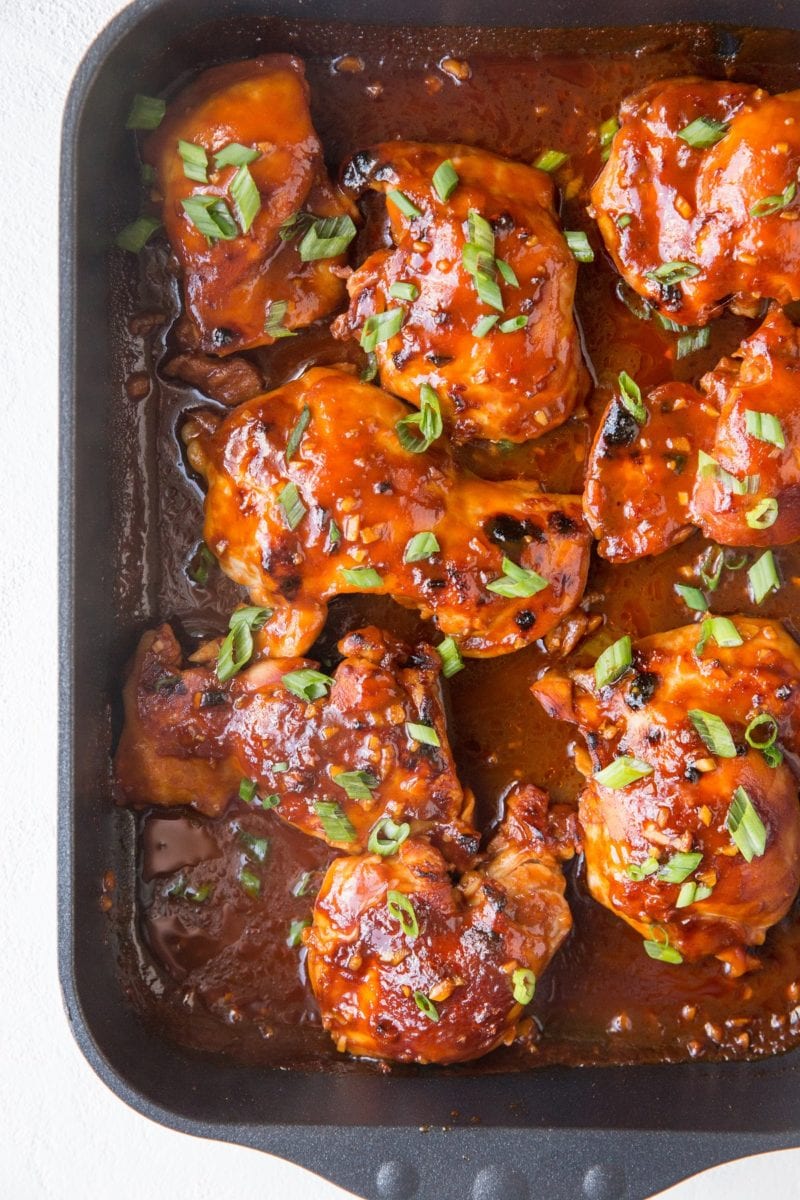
{"x":726,"y":461}
{"x":341,"y":758}
{"x":698,"y":201}
{"x":325,"y":486}
{"x":690,"y":813}
{"x":406,"y":966}
{"x":237,"y":158}
{"x":481,"y":286}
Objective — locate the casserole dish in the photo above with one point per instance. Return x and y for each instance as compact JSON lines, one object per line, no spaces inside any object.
{"x":600,"y":1132}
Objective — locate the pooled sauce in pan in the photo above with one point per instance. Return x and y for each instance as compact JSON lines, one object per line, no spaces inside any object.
{"x":230,"y":976}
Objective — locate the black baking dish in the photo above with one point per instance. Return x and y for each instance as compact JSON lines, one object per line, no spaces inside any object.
{"x":600,"y":1132}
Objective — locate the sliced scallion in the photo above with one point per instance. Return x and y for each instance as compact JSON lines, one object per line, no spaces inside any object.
{"x":764,"y":514}
{"x":631,"y":397}
{"x":380,"y":327}
{"x":605,"y":136}
{"x":291,"y":502}
{"x":236,"y":649}
{"x":136,"y":235}
{"x":363,"y":578}
{"x":484,"y":325}
{"x":403,"y":290}
{"x":766,"y":427}
{"x":508,"y":273}
{"x":517,"y":582}
{"x":551,"y":160}
{"x":250,"y":882}
{"x":578,"y":243}
{"x":680,"y":866}
{"x":767,"y":206}
{"x":421,"y":546}
{"x":426,"y":1006}
{"x":246,"y":197}
{"x":689,"y":343}
{"x":449,"y":653}
{"x":387,"y":837}
{"x":406,"y":206}
{"x":639,"y":871}
{"x":402,"y":910}
{"x":670,"y":273}
{"x":703,"y":132}
{"x":721,"y":630}
{"x":418,"y":431}
{"x":714,"y":732}
{"x":445,"y":180}
{"x":325,"y":237}
{"x":276,"y":315}
{"x":692,"y":597}
{"x":745,"y":826}
{"x":296,"y":434}
{"x":513,"y":324}
{"x":358,"y":785}
{"x":147,"y":112}
{"x":307,"y":684}
{"x":335,"y":823}
{"x":296,"y":928}
{"x":613,"y":662}
{"x":235,"y":155}
{"x":211,"y":216}
{"x":763,"y":577}
{"x":425,"y":734}
{"x":622,"y":771}
{"x":195,"y":161}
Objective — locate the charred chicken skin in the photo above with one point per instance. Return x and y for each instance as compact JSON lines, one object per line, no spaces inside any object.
{"x":724,"y":460}
{"x":406,"y":966}
{"x":236,"y":158}
{"x":698,"y":201}
{"x":314,"y":491}
{"x":690,"y":813}
{"x":339,"y":758}
{"x":480,"y":285}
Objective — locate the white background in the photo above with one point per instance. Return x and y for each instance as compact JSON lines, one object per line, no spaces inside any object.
{"x":62,"y":1134}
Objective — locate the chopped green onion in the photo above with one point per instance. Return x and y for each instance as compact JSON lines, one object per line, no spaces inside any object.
{"x":769,"y":205}
{"x":484,"y":325}
{"x":195,"y":161}
{"x":236,"y":650}
{"x":401,"y":201}
{"x":297,"y":431}
{"x":302,"y":884}
{"x":488,"y":288}
{"x":517,"y":581}
{"x":276,"y":314}
{"x":291,"y":502}
{"x":335,"y":823}
{"x":763,"y":577}
{"x":703,"y":132}
{"x":280,"y":768}
{"x":698,"y":339}
{"x":670,"y":325}
{"x":449,"y":653}
{"x":508,"y":273}
{"x":404,"y":291}
{"x":357,"y":784}
{"x":246,"y":197}
{"x":184,"y":891}
{"x":296,"y":928}
{"x":235,"y":155}
{"x":692,"y":597}
{"x":766,"y":427}
{"x":692,"y":893}
{"x":426,"y":1006}
{"x":256,"y":847}
{"x":271,"y":801}
{"x":636,"y":305}
{"x":579,"y":245}
{"x":709,"y":467}
{"x":764,"y":514}
{"x":250,"y":882}
{"x":334,"y":533}
{"x":711,"y":567}
{"x":639,"y":871}
{"x":551,"y":160}
{"x":670,"y":273}
{"x":622,"y":771}
{"x":771,"y":735}
{"x":722,"y":630}
{"x":662,"y":951}
{"x":370,"y":368}
{"x":387,"y":837}
{"x":136,"y":235}
{"x":420,"y":546}
{"x":297,"y":223}
{"x":210,"y":216}
{"x":401,"y":909}
{"x":606,"y":134}
{"x":326,"y":237}
{"x":380,"y":327}
{"x":745,"y":826}
{"x":247,"y":790}
{"x":613,"y":662}
{"x":202,"y":562}
{"x":714,"y":732}
{"x":445,"y":180}
{"x":147,"y":112}
{"x":362,"y":578}
{"x":631,"y":397}
{"x":425,"y":734}
{"x":623,"y":220}
{"x":481,"y":234}
{"x":307,"y":684}
{"x":420,"y":430}
{"x":523,"y":984}
{"x":513,"y":324}
{"x":680,"y":866}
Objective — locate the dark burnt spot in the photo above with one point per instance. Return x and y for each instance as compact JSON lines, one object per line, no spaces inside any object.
{"x":741,"y":749}
{"x":435,"y":584}
{"x":526,"y":305}
{"x":671,"y":296}
{"x":592,"y":740}
{"x":525,"y":620}
{"x":438,"y":360}
{"x":505,"y":223}
{"x":691,"y":774}
{"x":384,"y":486}
{"x":504,"y":530}
{"x":654,"y":735}
{"x":441,"y":318}
{"x":561,"y":524}
{"x":359,"y":170}
{"x":641,"y":689}
{"x":401,"y":357}
{"x":620,"y":428}
{"x":783,"y":692}
{"x":221,"y":337}
{"x":290,"y":586}
{"x":212,"y":699}
{"x":676,"y":462}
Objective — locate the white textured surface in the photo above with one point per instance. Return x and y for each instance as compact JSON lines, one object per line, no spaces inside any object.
{"x":62,"y":1134}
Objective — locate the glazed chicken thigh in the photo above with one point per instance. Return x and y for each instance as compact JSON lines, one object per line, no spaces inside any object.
{"x":237,"y":160}
{"x":725,"y":460}
{"x":344,"y":758}
{"x":406,"y":966}
{"x":327,"y":486}
{"x":474,"y":295}
{"x":690,"y":812}
{"x":697,"y":203}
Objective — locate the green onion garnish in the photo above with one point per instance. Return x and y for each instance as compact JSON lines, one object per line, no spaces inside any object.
{"x":703,"y":132}
{"x":147,"y":112}
{"x":268,"y":802}
{"x":297,"y":223}
{"x":692,"y":893}
{"x":769,"y":205}
{"x":276,"y":314}
{"x":711,"y":567}
{"x":334,"y":533}
{"x":639,"y":871}
{"x":363,"y":578}
{"x":404,"y":291}
{"x":326,"y":237}
{"x":551,"y":160}
{"x":387,"y":837}
{"x":613,"y":662}
{"x":692,"y":597}
{"x":195,"y":161}
{"x":488,"y":288}
{"x":766,"y":427}
{"x":426,"y":1006}
{"x":745,"y":826}
{"x":247,"y":790}
{"x":449,"y":653}
{"x":698,"y":339}
{"x":420,"y":546}
{"x":623,"y":220}
{"x":764,"y":514}
{"x":236,"y":650}
{"x":296,"y":434}
{"x":579,"y":245}
{"x":210,"y":216}
{"x":401,"y":201}
{"x":680,"y":866}
{"x":670,"y":273}
{"x":517,"y":581}
{"x":523,"y":984}
{"x":662,"y":951}
{"x":291,"y":502}
{"x":307,"y":684}
{"x":631,"y":397}
{"x":606,"y":134}
{"x":335,"y":823}
{"x":380,"y":327}
{"x":370,"y":369}
{"x":622,"y":771}
{"x":714,"y":732}
{"x":357,"y":784}
{"x":763,"y":577}
{"x":302,"y":884}
{"x":709,"y":467}
{"x":722,"y":630}
{"x":401,"y":909}
{"x":481,"y":234}
{"x":418,"y":431}
{"x":484,"y":325}
{"x":250,"y":882}
{"x":136,"y":235}
{"x":279,"y":768}
{"x":235,"y":155}
{"x":513,"y":324}
{"x":425,"y":734}
{"x":296,"y":928}
{"x":509,"y":276}
{"x":256,"y":847}
{"x":246,"y":197}
{"x":766,"y":742}
{"x":445,"y":180}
